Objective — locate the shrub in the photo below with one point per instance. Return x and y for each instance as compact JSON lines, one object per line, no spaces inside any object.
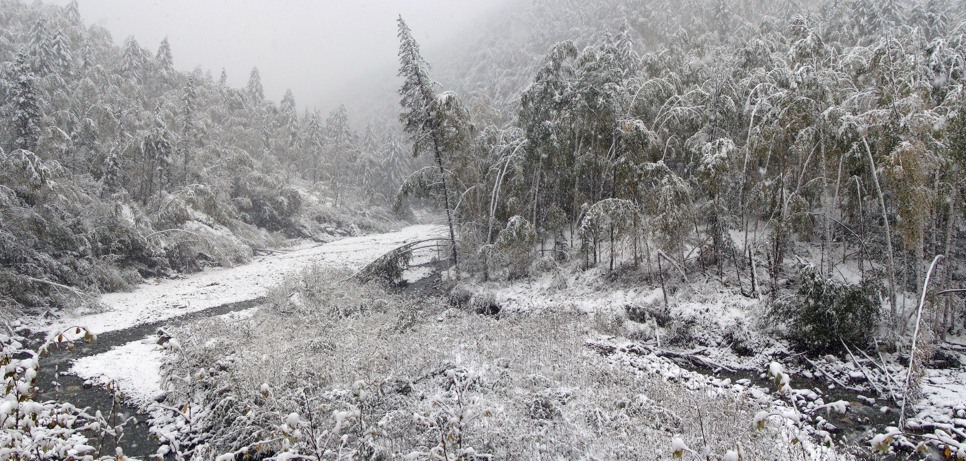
{"x":824,"y":313}
{"x":514,"y":247}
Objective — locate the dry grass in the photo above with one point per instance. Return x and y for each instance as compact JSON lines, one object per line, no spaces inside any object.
{"x":522,"y":387}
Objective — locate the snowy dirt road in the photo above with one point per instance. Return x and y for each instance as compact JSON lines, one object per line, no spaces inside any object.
{"x":162,"y":299}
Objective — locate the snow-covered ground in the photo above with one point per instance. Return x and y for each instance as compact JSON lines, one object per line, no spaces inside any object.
{"x":161,"y":299}
{"x":135,"y":367}
{"x":711,"y":320}
{"x":724,"y":330}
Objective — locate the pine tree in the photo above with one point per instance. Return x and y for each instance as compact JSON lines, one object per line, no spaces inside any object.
{"x":288,"y":118}
{"x":164,"y":58}
{"x":133,"y":61}
{"x":254,"y":90}
{"x":85,"y":141}
{"x":60,"y":53}
{"x":341,"y":149}
{"x":156,"y":148}
{"x":26,"y":106}
{"x":394,"y":168}
{"x":189,"y":129}
{"x":368,"y":164}
{"x":72,"y":13}
{"x":40,"y":48}
{"x":422,"y":117}
{"x":315,"y":143}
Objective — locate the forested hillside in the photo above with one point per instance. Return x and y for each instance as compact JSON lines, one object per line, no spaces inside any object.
{"x":116,"y":166}
{"x":730,"y":135}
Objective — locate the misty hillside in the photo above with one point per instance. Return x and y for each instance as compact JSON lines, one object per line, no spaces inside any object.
{"x":119,"y":167}
{"x":626,"y":229}
{"x":505,"y":49}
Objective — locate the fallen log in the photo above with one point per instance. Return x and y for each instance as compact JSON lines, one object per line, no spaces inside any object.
{"x":641,"y":350}
{"x":389,"y":267}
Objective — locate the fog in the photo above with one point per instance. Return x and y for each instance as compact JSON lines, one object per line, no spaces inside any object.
{"x":319,"y":49}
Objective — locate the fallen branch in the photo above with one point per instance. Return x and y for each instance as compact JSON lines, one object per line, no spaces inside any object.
{"x":267,"y":251}
{"x":75,"y":291}
{"x":885,"y":372}
{"x":825,"y":373}
{"x":674,"y":263}
{"x":693,"y":357}
{"x":394,"y":256}
{"x":641,"y":350}
{"x":949,"y":428}
{"x":861,"y":368}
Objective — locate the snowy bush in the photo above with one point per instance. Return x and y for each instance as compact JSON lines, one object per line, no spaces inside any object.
{"x":59,"y":241}
{"x":824,"y":313}
{"x":513,"y":249}
{"x":44,"y":430}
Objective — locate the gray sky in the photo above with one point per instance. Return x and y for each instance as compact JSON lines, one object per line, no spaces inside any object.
{"x":317,"y":48}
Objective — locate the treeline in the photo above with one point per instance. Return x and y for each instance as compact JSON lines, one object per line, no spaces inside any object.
{"x":732,"y":143}
{"x":117,"y":166}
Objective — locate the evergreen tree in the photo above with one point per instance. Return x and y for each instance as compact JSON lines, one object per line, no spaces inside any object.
{"x":189,"y":128}
{"x":288,"y":118}
{"x":133,"y":61}
{"x":72,"y":13}
{"x":164,"y":58}
{"x":315,"y":146}
{"x":424,"y":116}
{"x":85,"y":142}
{"x":254,"y":89}
{"x":393,"y":169}
{"x":156,"y":150}
{"x":25,"y":106}
{"x":60,"y":53}
{"x":40,"y":49}
{"x":341,"y":150}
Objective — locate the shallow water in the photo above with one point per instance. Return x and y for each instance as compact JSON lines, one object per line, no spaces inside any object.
{"x":55,"y":383}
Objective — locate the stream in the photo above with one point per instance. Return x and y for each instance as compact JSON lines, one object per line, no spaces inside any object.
{"x":851,"y":430}
{"x":54,"y":382}
{"x":855,"y":427}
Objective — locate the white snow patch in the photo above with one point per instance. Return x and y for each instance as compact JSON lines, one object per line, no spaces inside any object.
{"x":416,"y":274}
{"x":135,"y":368}
{"x":239,"y":315}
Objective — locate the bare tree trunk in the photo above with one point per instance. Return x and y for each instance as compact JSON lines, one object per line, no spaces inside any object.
{"x":948,"y":244}
{"x":660,"y":273}
{"x":637,"y":258}
{"x":826,"y":224}
{"x":915,"y":337}
{"x":888,"y":235}
{"x":611,"y":247}
{"x":449,"y":214}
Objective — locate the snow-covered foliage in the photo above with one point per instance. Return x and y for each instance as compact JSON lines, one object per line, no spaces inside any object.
{"x":42,"y":430}
{"x":824,"y":314}
{"x":513,"y":249}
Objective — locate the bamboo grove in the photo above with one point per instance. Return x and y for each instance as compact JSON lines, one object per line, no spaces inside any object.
{"x":732,"y":146}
